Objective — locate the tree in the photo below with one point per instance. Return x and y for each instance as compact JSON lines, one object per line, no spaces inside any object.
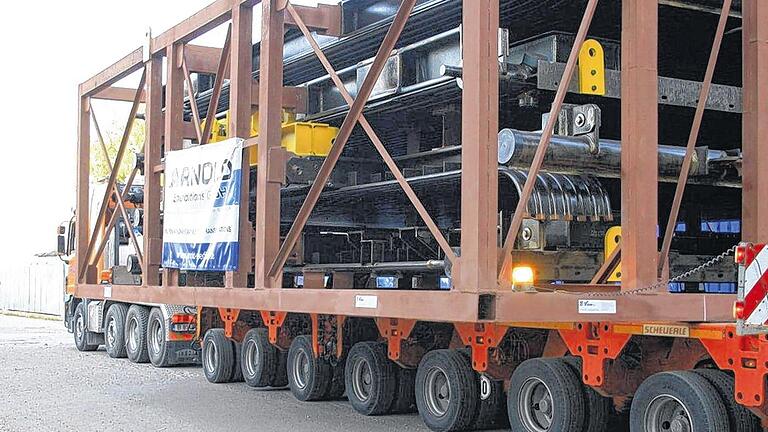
{"x":100,"y":168}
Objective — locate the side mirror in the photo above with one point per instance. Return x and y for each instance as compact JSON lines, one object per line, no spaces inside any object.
{"x":61,"y":246}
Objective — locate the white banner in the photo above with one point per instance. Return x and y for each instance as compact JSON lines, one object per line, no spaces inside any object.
{"x":201,"y":207}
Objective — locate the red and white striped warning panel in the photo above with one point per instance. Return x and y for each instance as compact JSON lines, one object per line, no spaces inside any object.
{"x":751,"y":309}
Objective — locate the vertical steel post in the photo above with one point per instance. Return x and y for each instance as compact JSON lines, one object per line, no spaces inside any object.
{"x":639,"y":138}
{"x":240,"y":81}
{"x":83,"y":184}
{"x":153,"y":239}
{"x":269,"y":180}
{"x":755,"y":121}
{"x":174,"y":99}
{"x":480,"y":127}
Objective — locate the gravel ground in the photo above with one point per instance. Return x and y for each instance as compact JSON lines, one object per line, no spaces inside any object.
{"x":48,"y":385}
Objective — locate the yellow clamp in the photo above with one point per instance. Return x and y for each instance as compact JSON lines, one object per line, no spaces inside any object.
{"x":592,"y":68}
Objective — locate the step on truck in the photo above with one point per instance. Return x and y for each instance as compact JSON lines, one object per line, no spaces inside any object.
{"x":537,"y":215}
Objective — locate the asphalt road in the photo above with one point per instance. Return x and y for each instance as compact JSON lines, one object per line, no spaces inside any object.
{"x":48,"y":385}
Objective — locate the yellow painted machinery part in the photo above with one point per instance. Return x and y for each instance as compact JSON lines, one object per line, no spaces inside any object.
{"x":300,"y":138}
{"x":592,"y":68}
{"x":612,"y":238}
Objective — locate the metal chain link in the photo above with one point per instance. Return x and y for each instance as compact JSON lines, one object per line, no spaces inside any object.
{"x":656,"y":286}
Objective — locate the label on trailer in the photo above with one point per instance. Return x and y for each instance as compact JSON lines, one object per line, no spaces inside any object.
{"x":666,"y":330}
{"x":107,"y":291}
{"x":366,"y":301}
{"x":597,"y":306}
{"x":201,"y":214}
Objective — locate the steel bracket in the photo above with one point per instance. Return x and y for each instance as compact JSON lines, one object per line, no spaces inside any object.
{"x":747,"y":357}
{"x":273,"y":321}
{"x":594,"y":343}
{"x":481,"y":337}
{"x":395,"y":330}
{"x":229,"y":316}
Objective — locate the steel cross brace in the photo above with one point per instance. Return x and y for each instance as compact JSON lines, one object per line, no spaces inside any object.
{"x":377,"y":143}
{"x":193,"y":100}
{"x":86,"y":260}
{"x":594,"y":343}
{"x":345,"y":131}
{"x":505,"y":259}
{"x":223,"y":62}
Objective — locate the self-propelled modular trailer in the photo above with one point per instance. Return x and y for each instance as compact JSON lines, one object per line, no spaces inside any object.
{"x":540,"y":214}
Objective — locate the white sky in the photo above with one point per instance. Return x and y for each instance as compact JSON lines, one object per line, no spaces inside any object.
{"x":48,"y":48}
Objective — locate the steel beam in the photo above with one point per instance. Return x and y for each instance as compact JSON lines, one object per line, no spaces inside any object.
{"x":476,"y":270}
{"x":755,"y":121}
{"x":153,"y":238}
{"x":83,"y":182}
{"x":202,"y":59}
{"x":270,"y":135}
{"x":323,"y":18}
{"x":241,"y":65}
{"x":224,"y":59}
{"x":120,"y":94}
{"x":639,"y":137}
{"x":174,"y":99}
{"x":115,"y":72}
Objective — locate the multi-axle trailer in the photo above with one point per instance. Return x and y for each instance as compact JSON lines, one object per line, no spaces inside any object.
{"x":541,"y":213}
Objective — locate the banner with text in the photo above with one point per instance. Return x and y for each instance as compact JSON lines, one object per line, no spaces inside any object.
{"x":201,"y":207}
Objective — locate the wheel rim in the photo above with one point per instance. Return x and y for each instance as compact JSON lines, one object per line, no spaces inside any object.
{"x":535,"y":405}
{"x":301,"y":369}
{"x":156,"y":336}
{"x":362,"y":379}
{"x":133,"y":335}
{"x":666,"y":413}
{"x":79,"y":328}
{"x":211,"y":357}
{"x":111,"y":332}
{"x":438,"y":392}
{"x":251,"y":357}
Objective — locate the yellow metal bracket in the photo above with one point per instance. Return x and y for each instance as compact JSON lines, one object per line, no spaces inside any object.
{"x":592,"y":68}
{"x":612,"y":240}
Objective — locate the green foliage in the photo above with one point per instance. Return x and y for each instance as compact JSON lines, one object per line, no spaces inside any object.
{"x":100,"y":168}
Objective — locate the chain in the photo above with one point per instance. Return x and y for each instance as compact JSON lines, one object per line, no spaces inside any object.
{"x":656,"y":286}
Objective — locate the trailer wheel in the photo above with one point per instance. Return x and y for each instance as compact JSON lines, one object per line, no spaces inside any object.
{"x":259,"y":359}
{"x":157,"y":344}
{"x":80,"y":333}
{"x":739,"y":417}
{"x":308,"y":377}
{"x":677,"y":401}
{"x":136,"y":321}
{"x":598,"y":407}
{"x":446,"y":391}
{"x":545,"y":395}
{"x":218,"y":356}
{"x":405,"y":395}
{"x":114,"y":330}
{"x":370,"y":378}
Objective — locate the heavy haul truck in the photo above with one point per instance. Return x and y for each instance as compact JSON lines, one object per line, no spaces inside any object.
{"x":549,"y":217}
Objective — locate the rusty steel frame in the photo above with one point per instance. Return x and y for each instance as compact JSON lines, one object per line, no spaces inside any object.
{"x":476,"y":270}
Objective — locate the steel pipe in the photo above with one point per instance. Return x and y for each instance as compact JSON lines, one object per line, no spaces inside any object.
{"x":575,"y":155}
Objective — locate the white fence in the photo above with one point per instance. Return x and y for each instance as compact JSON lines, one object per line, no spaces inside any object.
{"x":36,"y":287}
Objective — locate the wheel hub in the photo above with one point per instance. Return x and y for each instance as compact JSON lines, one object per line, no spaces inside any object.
{"x":438,"y":392}
{"x":666,"y":413}
{"x":535,"y":405}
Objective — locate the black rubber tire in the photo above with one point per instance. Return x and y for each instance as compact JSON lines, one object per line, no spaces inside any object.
{"x":137,"y":316}
{"x":259,"y":359}
{"x":115,"y":318}
{"x":690,"y":389}
{"x":492,"y":411}
{"x":281,"y":371}
{"x":598,"y":408}
{"x":460,"y":412}
{"x":237,"y":369}
{"x":218,"y":356}
{"x":159,"y":356}
{"x":318,"y":372}
{"x":79,"y":332}
{"x":382,"y":375}
{"x":740,"y":418}
{"x":405,"y":395}
{"x":564,"y":386}
{"x":337,"y":388}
